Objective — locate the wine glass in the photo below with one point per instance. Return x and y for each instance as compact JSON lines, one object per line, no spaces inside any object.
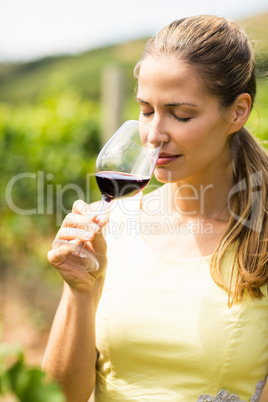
{"x":124,"y":167}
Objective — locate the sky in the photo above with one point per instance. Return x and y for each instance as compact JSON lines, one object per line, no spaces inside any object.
{"x":31,"y":29}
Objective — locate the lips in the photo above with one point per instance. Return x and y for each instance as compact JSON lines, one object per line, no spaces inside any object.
{"x":165,"y":158}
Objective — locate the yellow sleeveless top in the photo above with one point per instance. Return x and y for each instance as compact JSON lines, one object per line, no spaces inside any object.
{"x":164,"y":331}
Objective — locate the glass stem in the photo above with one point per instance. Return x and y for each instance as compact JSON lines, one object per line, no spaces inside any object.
{"x":105,"y":201}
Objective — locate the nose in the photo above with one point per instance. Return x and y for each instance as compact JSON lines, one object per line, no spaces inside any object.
{"x":149,"y":136}
{"x":158,"y":127}
{"x":154,"y":137}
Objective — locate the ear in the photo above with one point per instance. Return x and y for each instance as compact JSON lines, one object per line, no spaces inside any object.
{"x":240,"y":112}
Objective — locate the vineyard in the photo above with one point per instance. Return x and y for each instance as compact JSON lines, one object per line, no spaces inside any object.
{"x":50,"y":130}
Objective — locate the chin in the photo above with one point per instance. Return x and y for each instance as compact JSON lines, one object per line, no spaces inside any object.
{"x":164,"y":175}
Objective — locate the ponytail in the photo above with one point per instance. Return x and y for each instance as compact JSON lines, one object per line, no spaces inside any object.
{"x":247,"y":228}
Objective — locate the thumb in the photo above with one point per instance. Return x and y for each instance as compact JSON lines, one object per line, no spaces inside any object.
{"x":55,"y":258}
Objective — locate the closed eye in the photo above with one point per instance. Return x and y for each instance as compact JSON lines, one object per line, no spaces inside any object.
{"x":147,"y":114}
{"x":181,"y":119}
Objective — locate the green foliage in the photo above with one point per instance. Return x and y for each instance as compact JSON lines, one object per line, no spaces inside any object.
{"x":258,"y":120}
{"x":50,"y":135}
{"x":25,"y":82}
{"x":47,"y":160}
{"x":59,"y":137}
{"x":27,"y":384}
{"x":257,"y":29}
{"x":49,"y":140}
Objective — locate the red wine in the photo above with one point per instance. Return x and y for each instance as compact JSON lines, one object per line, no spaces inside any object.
{"x":114,"y":184}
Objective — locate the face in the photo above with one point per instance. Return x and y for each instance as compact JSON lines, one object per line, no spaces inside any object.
{"x":194,"y":131}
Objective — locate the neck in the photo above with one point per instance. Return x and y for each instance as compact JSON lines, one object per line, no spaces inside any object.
{"x":207,"y":197}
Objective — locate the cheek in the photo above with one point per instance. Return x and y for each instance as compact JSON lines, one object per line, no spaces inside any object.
{"x":192,"y":137}
{"x":210,"y":144}
{"x":203,"y":134}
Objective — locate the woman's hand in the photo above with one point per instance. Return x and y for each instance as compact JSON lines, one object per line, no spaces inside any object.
{"x":80,"y":226}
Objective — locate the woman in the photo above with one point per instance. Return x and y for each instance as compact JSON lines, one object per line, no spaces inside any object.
{"x":181,"y":293}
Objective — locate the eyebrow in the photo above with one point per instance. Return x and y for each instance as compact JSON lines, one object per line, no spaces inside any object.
{"x":180,"y":104}
{"x":171,"y":104}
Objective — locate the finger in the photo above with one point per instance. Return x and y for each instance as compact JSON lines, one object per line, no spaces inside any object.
{"x":82,"y":208}
{"x":91,"y":210}
{"x":69,"y":233}
{"x":101,"y":221}
{"x":57,"y":257}
{"x":80,"y":222}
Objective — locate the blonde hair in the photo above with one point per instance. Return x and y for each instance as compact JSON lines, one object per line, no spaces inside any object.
{"x":224,"y":59}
